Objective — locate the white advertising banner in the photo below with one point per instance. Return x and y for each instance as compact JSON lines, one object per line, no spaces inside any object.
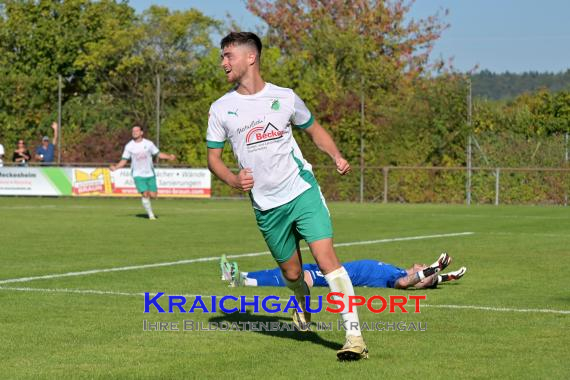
{"x":56,"y":181}
{"x":180,"y":183}
{"x":45,"y":181}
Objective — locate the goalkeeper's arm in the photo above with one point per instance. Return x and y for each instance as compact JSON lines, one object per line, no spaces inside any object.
{"x":421,"y":279}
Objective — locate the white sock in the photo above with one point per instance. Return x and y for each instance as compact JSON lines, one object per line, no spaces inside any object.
{"x":248,"y":281}
{"x":340,"y":282}
{"x":300,"y":289}
{"x":147,"y":206}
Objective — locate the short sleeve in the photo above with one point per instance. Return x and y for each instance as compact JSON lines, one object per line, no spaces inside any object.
{"x":302,"y":117}
{"x":126,"y":154}
{"x":216,"y":134}
{"x":153,"y":149}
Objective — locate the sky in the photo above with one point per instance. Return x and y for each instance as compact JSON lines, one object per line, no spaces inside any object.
{"x":497,"y":35}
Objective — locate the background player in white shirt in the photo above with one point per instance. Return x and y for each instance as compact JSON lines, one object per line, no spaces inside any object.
{"x":141,"y":152}
{"x":257,"y":118}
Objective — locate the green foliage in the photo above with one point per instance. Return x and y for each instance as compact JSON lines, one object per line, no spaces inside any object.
{"x":342,"y":57}
{"x":40,"y":40}
{"x":173,"y":48}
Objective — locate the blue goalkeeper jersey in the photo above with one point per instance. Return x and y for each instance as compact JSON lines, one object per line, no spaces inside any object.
{"x":370,"y":273}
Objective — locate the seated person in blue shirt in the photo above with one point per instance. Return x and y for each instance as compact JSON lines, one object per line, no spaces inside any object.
{"x":45,"y":153}
{"x":369,"y":273}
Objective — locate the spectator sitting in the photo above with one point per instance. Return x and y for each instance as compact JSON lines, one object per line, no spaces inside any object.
{"x":45,"y":153}
{"x":21,"y":155}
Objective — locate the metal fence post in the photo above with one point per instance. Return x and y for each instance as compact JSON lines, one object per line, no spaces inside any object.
{"x":59,"y":129}
{"x":497,"y":181}
{"x":158,"y":111}
{"x":361,"y":181}
{"x":362,"y":140}
{"x":469,"y":151}
{"x":566,"y":162}
{"x":469,"y":171}
{"x":385,"y":174}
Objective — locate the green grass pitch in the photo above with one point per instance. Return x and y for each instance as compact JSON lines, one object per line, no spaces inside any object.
{"x":517,"y":260}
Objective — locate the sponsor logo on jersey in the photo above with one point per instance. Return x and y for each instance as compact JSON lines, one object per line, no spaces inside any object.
{"x":261,"y":134}
{"x":250,"y":125}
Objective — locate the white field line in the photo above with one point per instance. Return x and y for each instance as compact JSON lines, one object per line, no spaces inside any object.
{"x":490,"y":308}
{"x":525,"y":233}
{"x":213,"y":258}
{"x":123,"y":208}
{"x":249,"y":299}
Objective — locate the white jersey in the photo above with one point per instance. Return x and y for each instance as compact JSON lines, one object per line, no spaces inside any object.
{"x":258,"y":127}
{"x":1,"y":154}
{"x":140,"y":154}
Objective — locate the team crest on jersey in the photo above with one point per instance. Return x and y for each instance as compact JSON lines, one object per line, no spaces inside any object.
{"x":261,"y":134}
{"x":275,"y":105}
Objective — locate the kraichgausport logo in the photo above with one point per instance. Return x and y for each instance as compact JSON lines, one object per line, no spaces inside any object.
{"x":261,"y":134}
{"x":274,"y":304}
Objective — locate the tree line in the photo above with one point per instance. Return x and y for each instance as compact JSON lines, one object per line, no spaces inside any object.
{"x":361,"y":66}
{"x":507,"y":85}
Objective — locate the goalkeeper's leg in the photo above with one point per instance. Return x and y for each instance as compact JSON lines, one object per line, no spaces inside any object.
{"x":268,"y":277}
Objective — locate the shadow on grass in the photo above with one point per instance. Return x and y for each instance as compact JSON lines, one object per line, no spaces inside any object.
{"x":449,"y":284}
{"x":307,"y":336}
{"x":144,"y":216}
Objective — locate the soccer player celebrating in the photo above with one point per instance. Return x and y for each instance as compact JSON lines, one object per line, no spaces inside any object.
{"x":369,"y":273}
{"x":257,"y":118}
{"x":141,"y":152}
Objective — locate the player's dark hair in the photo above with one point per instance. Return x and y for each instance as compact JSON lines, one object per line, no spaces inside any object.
{"x":242,"y":38}
{"x":139,"y":125}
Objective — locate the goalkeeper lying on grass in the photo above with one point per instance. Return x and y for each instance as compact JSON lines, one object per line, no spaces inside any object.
{"x":369,"y":273}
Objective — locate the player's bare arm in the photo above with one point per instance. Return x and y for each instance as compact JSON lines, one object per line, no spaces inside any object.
{"x":422,"y":276}
{"x":323,"y":140}
{"x":166,"y":156}
{"x":119,"y":165}
{"x":406,"y":282}
{"x":242,"y":181}
{"x":55,"y":128}
{"x":414,"y":280}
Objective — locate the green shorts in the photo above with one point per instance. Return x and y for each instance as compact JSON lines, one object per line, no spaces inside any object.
{"x":145,"y":184}
{"x":305,"y":217}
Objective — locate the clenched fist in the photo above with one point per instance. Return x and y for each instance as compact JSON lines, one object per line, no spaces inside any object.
{"x":342,"y":166}
{"x":244,"y":180}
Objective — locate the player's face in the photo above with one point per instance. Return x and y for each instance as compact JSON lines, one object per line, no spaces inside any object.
{"x":235,"y":62}
{"x":136,"y":133}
